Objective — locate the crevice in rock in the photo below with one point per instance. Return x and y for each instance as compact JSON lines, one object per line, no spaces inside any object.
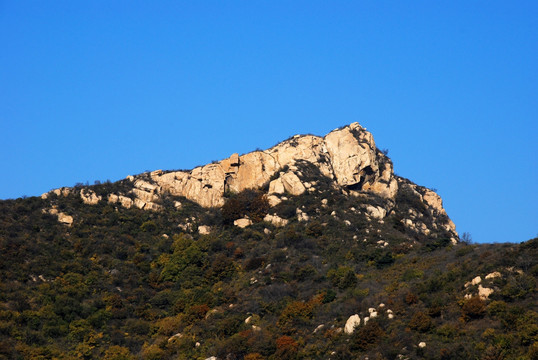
{"x":367,"y":175}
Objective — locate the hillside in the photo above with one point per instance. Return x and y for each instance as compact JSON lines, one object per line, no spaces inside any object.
{"x":313,"y":249}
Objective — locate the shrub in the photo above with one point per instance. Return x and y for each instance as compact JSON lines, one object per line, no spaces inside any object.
{"x":254,"y":263}
{"x":286,"y":211}
{"x":286,"y":348}
{"x":367,"y":336}
{"x":251,"y":203}
{"x":168,"y":326}
{"x":148,"y":226}
{"x":473,"y":308}
{"x":385,"y":259}
{"x":412,"y":273}
{"x":253,"y":356}
{"x":314,"y":229}
{"x":116,"y":352}
{"x":152,"y":352}
{"x":197,"y":312}
{"x":410,"y":298}
{"x":305,"y":272}
{"x":295,"y":313}
{"x":492,"y":353}
{"x":222,"y":268}
{"x":533,"y":351}
{"x":420,"y":322}
{"x":329,"y":296}
{"x":497,"y":308}
{"x":343,"y":277}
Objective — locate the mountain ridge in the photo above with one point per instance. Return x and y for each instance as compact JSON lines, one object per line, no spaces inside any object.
{"x":347,"y":156}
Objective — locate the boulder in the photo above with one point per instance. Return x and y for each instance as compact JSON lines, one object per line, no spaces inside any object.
{"x":302,"y":216}
{"x":65,"y":219}
{"x":276,"y":187}
{"x":351,"y":323}
{"x":204,"y":229}
{"x":493,"y":275}
{"x":139,"y":203}
{"x":484,"y":293}
{"x":243,"y":223}
{"x":175,"y":336}
{"x":318,"y":328}
{"x":144,"y":185}
{"x":275,"y":220}
{"x":376,"y":212}
{"x":125,"y":201}
{"x":433,"y":200}
{"x":292,"y":184}
{"x":273,"y":200}
{"x":89,"y":197}
{"x":477,"y":280}
{"x":352,"y":158}
{"x":64,"y":191}
{"x":144,"y":195}
{"x":62,"y":217}
{"x":153,"y":207}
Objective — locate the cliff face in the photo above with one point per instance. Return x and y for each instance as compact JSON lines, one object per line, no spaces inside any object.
{"x":347,"y":156}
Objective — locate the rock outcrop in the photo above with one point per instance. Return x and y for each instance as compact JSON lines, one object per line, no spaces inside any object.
{"x":62,"y":217}
{"x":347,"y":157}
{"x":89,"y":197}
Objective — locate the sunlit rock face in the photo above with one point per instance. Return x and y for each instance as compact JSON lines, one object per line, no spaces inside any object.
{"x":347,"y":155}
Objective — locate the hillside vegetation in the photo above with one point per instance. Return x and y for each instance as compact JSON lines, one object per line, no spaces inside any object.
{"x":125,"y":283}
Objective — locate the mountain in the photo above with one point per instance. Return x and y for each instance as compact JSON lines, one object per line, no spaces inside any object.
{"x":346,"y":160}
{"x":312,"y":249}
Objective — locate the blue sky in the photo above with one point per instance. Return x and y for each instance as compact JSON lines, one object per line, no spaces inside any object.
{"x":97,"y":90}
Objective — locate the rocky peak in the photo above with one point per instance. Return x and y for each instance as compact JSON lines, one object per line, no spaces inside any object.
{"x":347,"y":157}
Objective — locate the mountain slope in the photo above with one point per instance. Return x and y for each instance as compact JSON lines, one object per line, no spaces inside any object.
{"x":338,"y":272}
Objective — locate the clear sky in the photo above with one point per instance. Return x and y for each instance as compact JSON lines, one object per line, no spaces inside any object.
{"x":97,"y":90}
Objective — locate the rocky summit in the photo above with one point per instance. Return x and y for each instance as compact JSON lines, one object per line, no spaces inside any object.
{"x":347,"y":156}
